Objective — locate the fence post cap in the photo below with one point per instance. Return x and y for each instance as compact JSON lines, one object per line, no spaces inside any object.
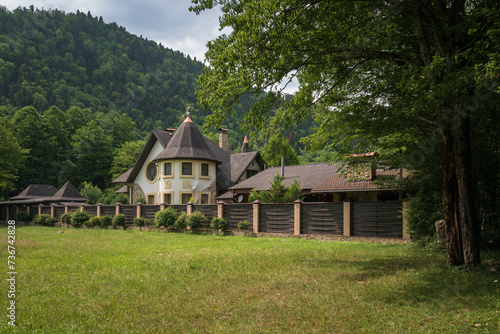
{"x":257,"y":201}
{"x":40,"y":204}
{"x":120,"y":204}
{"x":163,"y":203}
{"x":348,"y":200}
{"x":99,"y":204}
{"x":298,"y":201}
{"x":190,"y":203}
{"x":220,"y":202}
{"x":138,"y":203}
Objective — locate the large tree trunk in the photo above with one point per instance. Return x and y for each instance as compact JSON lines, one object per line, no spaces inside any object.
{"x":462,"y":228}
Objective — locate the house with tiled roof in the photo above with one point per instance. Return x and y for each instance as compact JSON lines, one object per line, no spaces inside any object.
{"x":46,"y":194}
{"x":323,"y":182}
{"x":176,"y":166}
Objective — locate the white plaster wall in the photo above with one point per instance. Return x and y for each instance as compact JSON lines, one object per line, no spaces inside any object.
{"x":149,"y":188}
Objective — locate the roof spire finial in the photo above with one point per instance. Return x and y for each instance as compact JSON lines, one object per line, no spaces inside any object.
{"x":186,"y":116}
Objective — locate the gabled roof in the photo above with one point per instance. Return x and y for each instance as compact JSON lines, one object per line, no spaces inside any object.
{"x":240,"y":162}
{"x":35,"y":191}
{"x":163,"y":137}
{"x":309,"y":176}
{"x":340,"y":183}
{"x":188,"y":143}
{"x":67,"y":193}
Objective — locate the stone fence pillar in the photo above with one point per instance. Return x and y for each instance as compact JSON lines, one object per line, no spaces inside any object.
{"x":256,"y":216}
{"x":347,"y":217}
{"x":220,"y":209}
{"x":118,"y":208}
{"x":139,"y":210}
{"x":297,"y":216}
{"x":99,"y":209}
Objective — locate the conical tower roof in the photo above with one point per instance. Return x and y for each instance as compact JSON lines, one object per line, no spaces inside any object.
{"x":188,"y":143}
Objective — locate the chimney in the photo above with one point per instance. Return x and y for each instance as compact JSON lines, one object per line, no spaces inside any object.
{"x":170,"y":131}
{"x":223,"y":139}
{"x":282,"y":165}
{"x":244,"y":148}
{"x":362,"y":166}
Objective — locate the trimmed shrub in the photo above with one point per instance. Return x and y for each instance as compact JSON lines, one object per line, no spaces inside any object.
{"x":119,"y":220}
{"x":106,"y":221}
{"x":195,"y":220}
{"x":166,"y":217}
{"x":93,"y":222}
{"x":51,"y":221}
{"x":41,"y":219}
{"x":244,"y":225}
{"x":218,"y":224}
{"x":181,"y":221}
{"x":139,"y":222}
{"x":79,"y":218}
{"x":66,"y":218}
{"x":22,"y":216}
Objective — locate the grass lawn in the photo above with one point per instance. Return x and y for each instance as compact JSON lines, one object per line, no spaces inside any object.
{"x":109,"y":281}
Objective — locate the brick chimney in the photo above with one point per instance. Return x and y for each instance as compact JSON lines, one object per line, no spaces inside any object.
{"x":362,"y":166}
{"x":224,"y":139}
{"x":244,"y":147}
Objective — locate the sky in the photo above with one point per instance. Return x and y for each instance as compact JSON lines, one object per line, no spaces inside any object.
{"x":168,"y":22}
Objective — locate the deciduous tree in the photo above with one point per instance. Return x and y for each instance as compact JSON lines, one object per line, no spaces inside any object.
{"x":402,"y":76}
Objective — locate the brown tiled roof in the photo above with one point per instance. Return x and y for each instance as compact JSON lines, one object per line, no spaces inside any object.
{"x":340,"y":183}
{"x":309,"y":176}
{"x":240,"y":162}
{"x":188,"y":143}
{"x":36,"y":190}
{"x":67,"y":193}
{"x":122,"y":190}
{"x":124,"y":177}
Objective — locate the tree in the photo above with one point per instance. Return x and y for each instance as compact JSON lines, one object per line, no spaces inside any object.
{"x":12,"y":156}
{"x":125,"y":157}
{"x":93,"y":155}
{"x":402,"y":76}
{"x":278,"y":192}
{"x":276,"y":147}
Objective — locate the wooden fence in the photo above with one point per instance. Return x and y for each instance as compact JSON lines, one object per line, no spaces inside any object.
{"x":359,"y":219}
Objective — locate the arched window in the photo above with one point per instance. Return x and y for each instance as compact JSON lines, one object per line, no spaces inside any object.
{"x":151,"y":171}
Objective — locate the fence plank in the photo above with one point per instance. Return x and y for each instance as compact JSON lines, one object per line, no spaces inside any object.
{"x":235,"y":213}
{"x":276,"y":218}
{"x":377,"y":219}
{"x":322,"y":218}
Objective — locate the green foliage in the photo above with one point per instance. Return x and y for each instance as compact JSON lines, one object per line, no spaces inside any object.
{"x":278,"y":192}
{"x":79,"y":218}
{"x":12,"y":156}
{"x":141,"y":199}
{"x":293,"y":192}
{"x":181,"y":221}
{"x":92,"y":193}
{"x":275,"y":148}
{"x":119,"y":221}
{"x":125,"y":157}
{"x":106,"y":221}
{"x":45,"y":220}
{"x":66,"y":218}
{"x":195,"y":220}
{"x":22,"y":216}
{"x":166,"y":217}
{"x":218,"y":224}
{"x":139,"y":222}
{"x":109,"y":197}
{"x":243,"y":225}
{"x":93,"y":222}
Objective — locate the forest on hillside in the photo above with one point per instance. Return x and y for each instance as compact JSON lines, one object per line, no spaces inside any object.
{"x":72,"y":85}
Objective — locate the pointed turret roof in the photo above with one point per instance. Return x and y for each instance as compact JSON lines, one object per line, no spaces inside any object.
{"x":188,"y":143}
{"x":67,"y":193}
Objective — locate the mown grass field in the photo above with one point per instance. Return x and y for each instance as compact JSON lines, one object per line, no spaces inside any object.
{"x":109,"y":281}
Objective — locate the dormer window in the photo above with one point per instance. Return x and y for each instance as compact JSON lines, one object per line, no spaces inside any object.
{"x":151,"y":171}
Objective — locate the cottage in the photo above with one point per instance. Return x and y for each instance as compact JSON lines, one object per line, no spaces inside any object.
{"x":178,"y":166}
{"x":360,"y":180}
